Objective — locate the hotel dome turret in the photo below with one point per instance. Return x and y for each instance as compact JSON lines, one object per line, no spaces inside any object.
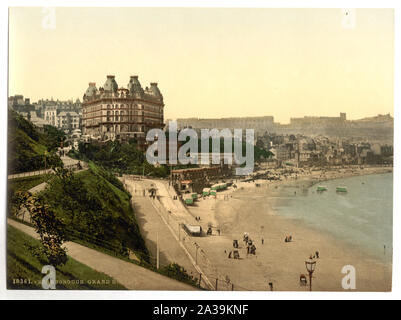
{"x":134,"y":86}
{"x":92,"y":90}
{"x":110,"y":85}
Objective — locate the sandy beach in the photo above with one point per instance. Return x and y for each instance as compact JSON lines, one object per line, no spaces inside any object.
{"x":277,"y":261}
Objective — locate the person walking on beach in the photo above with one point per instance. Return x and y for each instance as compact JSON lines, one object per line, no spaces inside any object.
{"x":263,"y":241}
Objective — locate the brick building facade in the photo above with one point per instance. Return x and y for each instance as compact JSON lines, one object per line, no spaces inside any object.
{"x":111,"y":112}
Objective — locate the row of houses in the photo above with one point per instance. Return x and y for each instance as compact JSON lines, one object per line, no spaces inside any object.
{"x":301,"y":150}
{"x":65,"y":120}
{"x":65,"y":115}
{"x":196,"y":179}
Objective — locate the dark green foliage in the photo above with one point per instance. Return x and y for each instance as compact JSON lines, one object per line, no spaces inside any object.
{"x":22,"y":184}
{"x":28,"y":149}
{"x":177,"y":272}
{"x":126,"y":158}
{"x":96,"y":209}
{"x":113,"y":154}
{"x":26,"y":183}
{"x":110,"y":177}
{"x":52,"y":137}
{"x":48,"y":225}
{"x":261,"y":154}
{"x":120,"y":158}
{"x":18,"y":122}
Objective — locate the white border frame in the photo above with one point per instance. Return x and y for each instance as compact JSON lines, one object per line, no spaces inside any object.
{"x":171,"y":295}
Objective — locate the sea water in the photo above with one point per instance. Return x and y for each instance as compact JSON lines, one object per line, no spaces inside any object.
{"x":361,"y":217}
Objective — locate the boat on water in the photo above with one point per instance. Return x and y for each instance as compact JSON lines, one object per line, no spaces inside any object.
{"x":321,"y":188}
{"x":341,"y":189}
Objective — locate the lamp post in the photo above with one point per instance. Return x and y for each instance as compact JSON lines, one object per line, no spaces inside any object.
{"x":196,"y":254}
{"x":157,"y":251}
{"x":310,"y":266}
{"x":45,"y":156}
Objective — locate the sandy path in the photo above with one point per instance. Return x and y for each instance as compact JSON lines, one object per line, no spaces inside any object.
{"x":129,"y":275}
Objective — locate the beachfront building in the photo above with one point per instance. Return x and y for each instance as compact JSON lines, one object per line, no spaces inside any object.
{"x":112,"y":112}
{"x":281,"y":153}
{"x":196,"y":179}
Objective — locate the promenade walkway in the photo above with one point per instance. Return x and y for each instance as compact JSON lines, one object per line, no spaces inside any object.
{"x":153,"y":229}
{"x":173,"y":214}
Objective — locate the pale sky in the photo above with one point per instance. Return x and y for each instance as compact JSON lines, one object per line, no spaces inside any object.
{"x":212,"y":62}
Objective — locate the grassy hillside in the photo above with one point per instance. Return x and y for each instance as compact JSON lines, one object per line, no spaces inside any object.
{"x":26,"y":183}
{"x":23,"y":184}
{"x":30,"y":149}
{"x":96,"y":210}
{"x":24,"y":268}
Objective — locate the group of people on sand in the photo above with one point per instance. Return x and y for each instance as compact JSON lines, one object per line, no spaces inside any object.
{"x":288,"y":238}
{"x":250,"y":246}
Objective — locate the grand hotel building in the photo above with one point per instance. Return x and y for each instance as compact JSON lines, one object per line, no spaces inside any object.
{"x":111,"y":112}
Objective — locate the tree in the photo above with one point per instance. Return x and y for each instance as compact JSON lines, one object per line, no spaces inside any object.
{"x":74,"y":187}
{"x":52,"y":137}
{"x":48,"y":226}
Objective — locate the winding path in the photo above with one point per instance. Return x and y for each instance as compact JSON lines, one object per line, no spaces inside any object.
{"x":67,"y":161}
{"x":129,"y":275}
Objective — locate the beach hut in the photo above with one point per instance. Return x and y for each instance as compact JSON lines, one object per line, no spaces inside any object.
{"x":205,"y":192}
{"x":213,"y":192}
{"x":223,"y":186}
{"x":194,"y":231}
{"x":215,"y":187}
{"x":188,"y":199}
{"x":341,"y":189}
